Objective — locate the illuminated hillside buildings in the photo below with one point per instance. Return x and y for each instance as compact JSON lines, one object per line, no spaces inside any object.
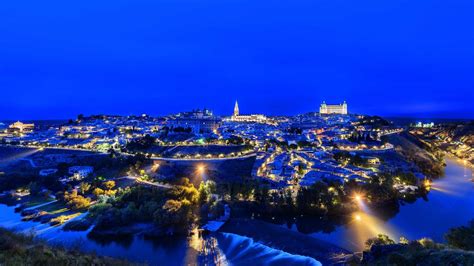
{"x":197,"y":121}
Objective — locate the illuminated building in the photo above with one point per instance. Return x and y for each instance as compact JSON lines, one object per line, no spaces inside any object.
{"x":424,"y":125}
{"x":333,"y":108}
{"x":197,"y":121}
{"x":22,"y":127}
{"x":80,"y":172}
{"x":236,"y":109}
{"x":237,"y":117}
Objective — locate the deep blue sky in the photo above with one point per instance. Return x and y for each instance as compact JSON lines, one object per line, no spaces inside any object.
{"x":393,"y":58}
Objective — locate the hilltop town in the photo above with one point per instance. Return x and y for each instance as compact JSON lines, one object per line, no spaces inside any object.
{"x":172,"y":175}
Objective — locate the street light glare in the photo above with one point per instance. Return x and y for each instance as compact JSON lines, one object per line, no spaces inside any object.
{"x":358,"y":197}
{"x":201,"y":168}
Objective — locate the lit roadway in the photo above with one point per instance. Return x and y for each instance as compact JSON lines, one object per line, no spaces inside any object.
{"x":153,"y":184}
{"x":129,"y":154}
{"x":203,"y":158}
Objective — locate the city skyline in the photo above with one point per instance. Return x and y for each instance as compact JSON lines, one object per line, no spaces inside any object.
{"x":227,"y":112}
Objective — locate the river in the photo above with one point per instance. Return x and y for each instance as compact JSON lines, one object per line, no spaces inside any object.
{"x":449,"y":204}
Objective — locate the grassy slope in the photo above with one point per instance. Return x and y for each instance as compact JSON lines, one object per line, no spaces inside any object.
{"x":18,"y":249}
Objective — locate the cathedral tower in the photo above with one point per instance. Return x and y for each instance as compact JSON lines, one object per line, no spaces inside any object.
{"x":236,"y":109}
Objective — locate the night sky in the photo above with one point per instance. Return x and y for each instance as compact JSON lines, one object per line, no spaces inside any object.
{"x":392,"y":58}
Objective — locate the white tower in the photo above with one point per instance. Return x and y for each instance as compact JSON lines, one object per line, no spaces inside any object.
{"x":344,"y":108}
{"x":323,"y":109}
{"x":236,"y":109}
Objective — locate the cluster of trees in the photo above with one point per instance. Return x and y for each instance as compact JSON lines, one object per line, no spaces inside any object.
{"x":295,"y":130}
{"x":462,"y":237}
{"x":381,"y":250}
{"x":136,"y":204}
{"x":458,"y":237}
{"x":76,"y":201}
{"x":325,"y":197}
{"x":379,"y":189}
{"x":285,"y":146}
{"x":320,"y":197}
{"x":107,"y":188}
{"x":407,"y":178}
{"x":28,"y":179}
{"x":235,"y":140}
{"x":347,"y":158}
{"x":182,"y":130}
{"x":179,"y":210}
{"x":141,"y":144}
{"x":172,"y":211}
{"x":356,"y":137}
{"x":81,"y":198}
{"x":374,"y":121}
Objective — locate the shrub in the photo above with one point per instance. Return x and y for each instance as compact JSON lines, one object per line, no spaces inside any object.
{"x":397,"y":259}
{"x":403,"y":241}
{"x":380,"y":240}
{"x":428,"y":243}
{"x":462,"y":237}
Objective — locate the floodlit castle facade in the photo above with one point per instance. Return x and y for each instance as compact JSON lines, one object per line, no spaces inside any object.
{"x":340,"y":109}
{"x":22,"y":127}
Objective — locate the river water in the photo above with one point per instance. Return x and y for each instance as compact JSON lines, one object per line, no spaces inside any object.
{"x":449,"y":204}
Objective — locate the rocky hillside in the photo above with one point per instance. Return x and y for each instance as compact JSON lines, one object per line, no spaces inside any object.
{"x":457,"y":139}
{"x":426,"y":157}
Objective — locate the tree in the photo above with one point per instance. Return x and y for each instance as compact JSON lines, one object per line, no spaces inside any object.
{"x":403,"y":240}
{"x":380,"y":240}
{"x":300,"y":170}
{"x":98,"y":191}
{"x":84,"y":187}
{"x":109,"y":184}
{"x":408,"y":178}
{"x":289,"y":199}
{"x":174,"y":213}
{"x":206,"y":189}
{"x":262,"y":195}
{"x":75,"y":201}
{"x":34,"y":188}
{"x":461,"y":237}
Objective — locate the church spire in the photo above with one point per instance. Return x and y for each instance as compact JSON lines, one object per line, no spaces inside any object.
{"x":236,"y":109}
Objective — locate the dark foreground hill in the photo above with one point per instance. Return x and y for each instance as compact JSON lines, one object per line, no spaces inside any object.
{"x":20,"y":249}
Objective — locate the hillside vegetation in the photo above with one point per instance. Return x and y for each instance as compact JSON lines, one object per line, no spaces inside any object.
{"x":21,"y":249}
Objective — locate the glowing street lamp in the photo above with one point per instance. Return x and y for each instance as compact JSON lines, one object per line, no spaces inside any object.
{"x":201,"y":168}
{"x":357,"y":217}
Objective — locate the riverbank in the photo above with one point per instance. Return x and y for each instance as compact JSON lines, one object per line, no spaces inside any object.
{"x":285,"y":239}
{"x":23,"y":249}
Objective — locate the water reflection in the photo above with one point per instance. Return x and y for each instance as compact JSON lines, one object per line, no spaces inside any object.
{"x":450,"y":203}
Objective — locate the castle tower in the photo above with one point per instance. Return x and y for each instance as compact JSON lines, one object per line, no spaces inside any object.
{"x":236,"y":109}
{"x":344,"y":108}
{"x":323,"y":109}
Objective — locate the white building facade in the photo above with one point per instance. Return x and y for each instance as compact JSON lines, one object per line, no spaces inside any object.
{"x":340,"y":109}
